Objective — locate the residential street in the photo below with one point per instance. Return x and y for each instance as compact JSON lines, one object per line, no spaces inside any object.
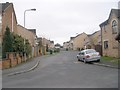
{"x":61,"y":70}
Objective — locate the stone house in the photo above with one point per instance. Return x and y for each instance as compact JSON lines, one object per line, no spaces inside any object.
{"x":109,"y":30}
{"x":78,"y":41}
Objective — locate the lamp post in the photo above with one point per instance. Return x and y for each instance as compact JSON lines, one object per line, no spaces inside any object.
{"x":24,"y":28}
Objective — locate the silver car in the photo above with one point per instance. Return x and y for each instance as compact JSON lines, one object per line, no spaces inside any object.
{"x":88,"y":55}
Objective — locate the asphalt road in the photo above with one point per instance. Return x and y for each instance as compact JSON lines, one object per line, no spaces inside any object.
{"x":62,"y":70}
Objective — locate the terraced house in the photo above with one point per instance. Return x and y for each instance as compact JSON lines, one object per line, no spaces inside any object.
{"x":94,"y":41}
{"x":77,"y":42}
{"x":8,"y":18}
{"x":109,"y":31}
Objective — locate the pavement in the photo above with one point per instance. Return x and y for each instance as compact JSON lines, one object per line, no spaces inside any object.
{"x":107,"y":64}
{"x":33,"y":63}
{"x":24,"y":67}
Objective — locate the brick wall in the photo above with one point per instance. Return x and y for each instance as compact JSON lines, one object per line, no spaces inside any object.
{"x":11,"y":60}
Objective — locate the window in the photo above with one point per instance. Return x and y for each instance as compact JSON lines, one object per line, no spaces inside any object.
{"x":81,"y":53}
{"x":114,"y":27}
{"x":105,"y":44}
{"x":90,"y":51}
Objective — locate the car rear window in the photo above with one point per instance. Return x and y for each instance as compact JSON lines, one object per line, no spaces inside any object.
{"x":90,"y":51}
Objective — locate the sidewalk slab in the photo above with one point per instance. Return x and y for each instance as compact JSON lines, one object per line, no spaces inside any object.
{"x":23,"y":66}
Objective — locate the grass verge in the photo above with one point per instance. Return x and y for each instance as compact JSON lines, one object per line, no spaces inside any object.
{"x":110,"y":59}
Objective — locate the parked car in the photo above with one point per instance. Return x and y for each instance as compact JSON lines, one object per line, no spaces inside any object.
{"x":88,"y":55}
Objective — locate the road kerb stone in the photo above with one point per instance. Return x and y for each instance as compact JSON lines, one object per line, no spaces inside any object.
{"x":105,"y":65}
{"x":24,"y":71}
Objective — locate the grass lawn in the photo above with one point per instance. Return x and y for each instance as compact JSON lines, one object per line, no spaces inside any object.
{"x":110,"y":59}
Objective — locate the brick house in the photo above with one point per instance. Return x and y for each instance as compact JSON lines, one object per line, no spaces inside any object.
{"x":51,"y":44}
{"x":109,"y":31}
{"x":8,"y":18}
{"x":65,"y":45}
{"x":30,"y":35}
{"x":78,"y":41}
{"x":69,"y":44}
{"x":94,"y":41}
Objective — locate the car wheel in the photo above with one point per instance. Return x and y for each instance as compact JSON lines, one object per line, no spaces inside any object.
{"x":78,"y":58}
{"x":84,"y":61}
{"x":98,"y":60}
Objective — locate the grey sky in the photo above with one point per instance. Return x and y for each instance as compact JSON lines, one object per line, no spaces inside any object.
{"x":58,"y":20}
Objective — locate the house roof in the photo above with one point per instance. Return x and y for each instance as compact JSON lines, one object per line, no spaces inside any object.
{"x":72,"y":38}
{"x":51,"y":41}
{"x":5,"y":5}
{"x":33,"y":31}
{"x":104,"y":23}
{"x":116,"y":12}
{"x":80,"y":34}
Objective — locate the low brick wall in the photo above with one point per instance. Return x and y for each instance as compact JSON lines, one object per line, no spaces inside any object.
{"x":0,"y":64}
{"x":11,"y":60}
{"x":5,"y":64}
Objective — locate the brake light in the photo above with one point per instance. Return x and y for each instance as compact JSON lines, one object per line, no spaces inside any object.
{"x":87,"y":56}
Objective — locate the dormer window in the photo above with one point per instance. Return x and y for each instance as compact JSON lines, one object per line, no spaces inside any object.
{"x":114,"y":27}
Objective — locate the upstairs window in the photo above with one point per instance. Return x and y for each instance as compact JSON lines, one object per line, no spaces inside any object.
{"x":114,"y":27}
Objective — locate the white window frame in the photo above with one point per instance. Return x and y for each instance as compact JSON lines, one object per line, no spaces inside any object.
{"x":106,"y":47}
{"x":114,"y":27}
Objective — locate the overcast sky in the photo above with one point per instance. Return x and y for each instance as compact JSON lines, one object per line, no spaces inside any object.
{"x":58,"y":20}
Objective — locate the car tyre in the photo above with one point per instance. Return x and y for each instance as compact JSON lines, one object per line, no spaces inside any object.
{"x":78,"y":59}
{"x":98,"y":60}
{"x":84,"y":61}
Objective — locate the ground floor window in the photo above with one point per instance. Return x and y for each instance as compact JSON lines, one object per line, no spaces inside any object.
{"x":105,"y":44}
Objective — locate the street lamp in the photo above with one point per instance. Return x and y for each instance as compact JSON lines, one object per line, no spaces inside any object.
{"x":25,"y":13}
{"x":24,"y":27}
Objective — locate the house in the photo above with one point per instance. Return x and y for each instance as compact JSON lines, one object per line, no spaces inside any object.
{"x":52,"y":45}
{"x":94,"y":41}
{"x":65,"y":45}
{"x":8,"y":17}
{"x":118,"y":37}
{"x":46,"y":45}
{"x":109,"y":31}
{"x":31,"y":36}
{"x":71,"y":43}
{"x":78,"y":41}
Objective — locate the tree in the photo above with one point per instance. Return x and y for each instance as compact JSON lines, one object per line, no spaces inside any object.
{"x":18,"y":43}
{"x":7,"y":42}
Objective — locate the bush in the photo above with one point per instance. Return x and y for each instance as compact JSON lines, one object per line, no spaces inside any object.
{"x":51,"y":51}
{"x":7,"y":42}
{"x":14,"y":43}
